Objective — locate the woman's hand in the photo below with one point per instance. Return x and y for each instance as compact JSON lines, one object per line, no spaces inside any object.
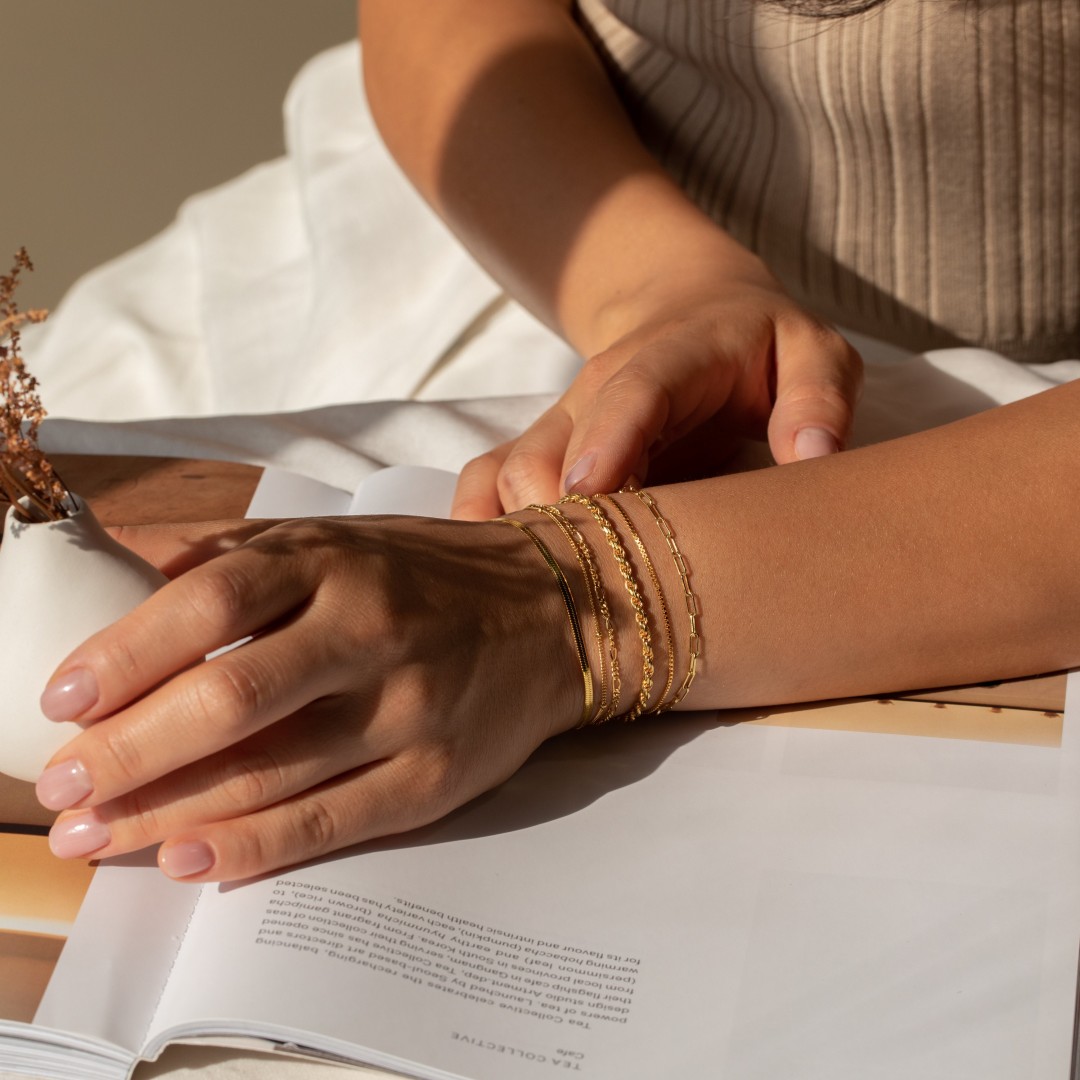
{"x":389,"y":679}
{"x":706,"y":368}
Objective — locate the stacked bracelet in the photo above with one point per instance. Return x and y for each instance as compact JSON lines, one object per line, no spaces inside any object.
{"x":603,"y":624}
{"x":571,"y":611}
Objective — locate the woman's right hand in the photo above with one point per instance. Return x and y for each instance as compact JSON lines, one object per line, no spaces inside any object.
{"x":707,"y":367}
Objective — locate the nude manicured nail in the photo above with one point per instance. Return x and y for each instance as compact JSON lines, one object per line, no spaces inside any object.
{"x":63,"y":785}
{"x":183,"y":860}
{"x":814,"y":442}
{"x":69,"y":695}
{"x":78,"y":835}
{"x":580,"y":470}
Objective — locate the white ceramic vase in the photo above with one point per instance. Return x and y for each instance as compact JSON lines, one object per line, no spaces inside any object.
{"x":60,"y":582}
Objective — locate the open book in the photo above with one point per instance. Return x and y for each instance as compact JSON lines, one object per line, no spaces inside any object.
{"x":886,"y":889}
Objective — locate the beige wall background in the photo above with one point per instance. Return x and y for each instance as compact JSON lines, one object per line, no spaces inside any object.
{"x":115,"y":110}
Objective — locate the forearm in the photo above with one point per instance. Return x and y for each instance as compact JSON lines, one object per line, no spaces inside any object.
{"x":942,"y":558}
{"x":503,"y":118}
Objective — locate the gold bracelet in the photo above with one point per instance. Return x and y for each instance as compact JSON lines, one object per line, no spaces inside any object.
{"x":693,"y":609}
{"x":636,"y":600}
{"x":571,"y":610}
{"x":600,"y":610}
{"x":669,"y":638}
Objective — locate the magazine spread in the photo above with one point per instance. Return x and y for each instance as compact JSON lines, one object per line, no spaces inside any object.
{"x":885,"y":888}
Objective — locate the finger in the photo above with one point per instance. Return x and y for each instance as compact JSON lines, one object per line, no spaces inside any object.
{"x":657,"y":396}
{"x":818,"y":380}
{"x":389,"y":797}
{"x":200,"y":712}
{"x":302,"y":751}
{"x":532,"y":470}
{"x":213,"y":605}
{"x":476,"y":497}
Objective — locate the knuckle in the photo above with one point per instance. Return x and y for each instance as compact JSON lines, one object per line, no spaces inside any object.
{"x":121,"y":748}
{"x":143,"y":818}
{"x":520,"y":466}
{"x":227,"y":694}
{"x":121,"y":658}
{"x":806,"y":328}
{"x":252,"y":781}
{"x":438,"y":777}
{"x":825,"y":396}
{"x":315,"y":828}
{"x":219,"y":596}
{"x":599,"y":368}
{"x":482,"y":465}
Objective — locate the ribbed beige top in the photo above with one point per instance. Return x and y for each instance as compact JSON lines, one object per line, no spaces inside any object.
{"x":913,"y":172}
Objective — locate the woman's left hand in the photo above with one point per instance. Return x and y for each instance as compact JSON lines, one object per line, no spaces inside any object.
{"x":389,"y":679}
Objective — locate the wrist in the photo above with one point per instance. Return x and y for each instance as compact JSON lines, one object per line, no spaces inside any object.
{"x":679,"y":273}
{"x":635,"y":618}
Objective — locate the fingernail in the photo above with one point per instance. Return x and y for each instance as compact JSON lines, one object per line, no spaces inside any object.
{"x":581,"y":469}
{"x":70,"y":695}
{"x":812,"y":442}
{"x":78,"y":835}
{"x":183,"y":860}
{"x":63,"y":785}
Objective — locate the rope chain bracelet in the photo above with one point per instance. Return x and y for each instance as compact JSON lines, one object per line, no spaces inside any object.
{"x":601,"y":611}
{"x":693,"y":608}
{"x":661,"y":602}
{"x":636,"y":599}
{"x":571,"y":611}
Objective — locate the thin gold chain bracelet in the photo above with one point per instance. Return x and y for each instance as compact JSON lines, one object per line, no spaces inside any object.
{"x":661,"y":602}
{"x":693,"y":608}
{"x":571,"y":611}
{"x":634,"y":591}
{"x":601,"y":611}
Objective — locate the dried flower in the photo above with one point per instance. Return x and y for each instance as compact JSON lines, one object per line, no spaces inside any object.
{"x":25,"y":473}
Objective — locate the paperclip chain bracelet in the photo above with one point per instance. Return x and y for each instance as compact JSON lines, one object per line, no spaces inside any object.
{"x":571,"y":610}
{"x":661,"y":603}
{"x":693,"y":609}
{"x":601,"y":612}
{"x":636,"y":600}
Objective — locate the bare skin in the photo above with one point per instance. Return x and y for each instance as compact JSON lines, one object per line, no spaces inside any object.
{"x":399,"y":667}
{"x":504,"y":120}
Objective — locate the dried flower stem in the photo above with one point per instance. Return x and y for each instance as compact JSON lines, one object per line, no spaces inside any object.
{"x":25,"y":473}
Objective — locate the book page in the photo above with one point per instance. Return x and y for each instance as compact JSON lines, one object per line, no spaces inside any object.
{"x":690,"y":896}
{"x":398,"y":489}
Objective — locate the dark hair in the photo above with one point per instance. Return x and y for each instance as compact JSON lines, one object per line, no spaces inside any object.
{"x":825,"y":9}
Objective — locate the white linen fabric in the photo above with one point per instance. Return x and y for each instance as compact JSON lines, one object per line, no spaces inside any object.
{"x":315,"y":315}
{"x":316,"y":279}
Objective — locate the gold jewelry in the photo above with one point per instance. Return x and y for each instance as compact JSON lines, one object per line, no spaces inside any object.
{"x":636,"y":600}
{"x":600,"y":610}
{"x":571,"y":610}
{"x":693,"y":608}
{"x":661,"y":602}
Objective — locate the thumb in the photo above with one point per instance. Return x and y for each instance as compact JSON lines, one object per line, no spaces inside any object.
{"x":818,"y":381}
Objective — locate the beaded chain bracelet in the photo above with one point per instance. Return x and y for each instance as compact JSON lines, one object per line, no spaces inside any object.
{"x":601,"y":612}
{"x":571,"y":611}
{"x":693,"y":609}
{"x":636,"y":600}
